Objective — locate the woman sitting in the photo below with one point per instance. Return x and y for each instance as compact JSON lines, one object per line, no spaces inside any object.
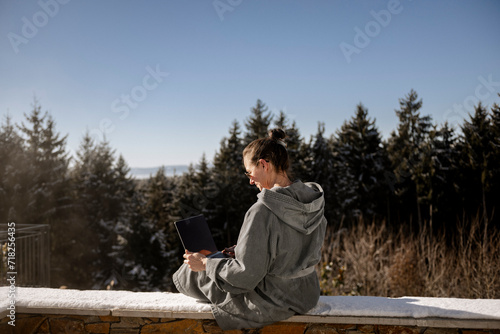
{"x":272,"y":274}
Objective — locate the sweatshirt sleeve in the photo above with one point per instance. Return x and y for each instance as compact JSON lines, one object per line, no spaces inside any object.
{"x":253,"y":254}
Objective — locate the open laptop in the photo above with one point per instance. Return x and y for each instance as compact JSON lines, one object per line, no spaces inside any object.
{"x":196,"y":236}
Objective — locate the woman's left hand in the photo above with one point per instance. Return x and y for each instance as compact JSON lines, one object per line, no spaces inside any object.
{"x":229,"y":251}
{"x":195,"y":261}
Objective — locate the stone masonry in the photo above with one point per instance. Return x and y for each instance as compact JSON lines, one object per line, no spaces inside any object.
{"x":76,"y":324}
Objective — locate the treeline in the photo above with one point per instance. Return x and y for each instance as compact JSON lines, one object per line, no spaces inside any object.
{"x":111,"y":231}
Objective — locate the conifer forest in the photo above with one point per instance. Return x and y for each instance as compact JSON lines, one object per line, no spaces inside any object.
{"x":417,"y":213}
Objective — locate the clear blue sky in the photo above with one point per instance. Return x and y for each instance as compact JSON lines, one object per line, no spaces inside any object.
{"x":165,"y":79}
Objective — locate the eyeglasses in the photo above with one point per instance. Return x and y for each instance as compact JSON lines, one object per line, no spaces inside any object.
{"x":248,"y":174}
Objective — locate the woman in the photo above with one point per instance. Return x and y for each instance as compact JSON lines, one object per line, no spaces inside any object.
{"x":271,"y":276}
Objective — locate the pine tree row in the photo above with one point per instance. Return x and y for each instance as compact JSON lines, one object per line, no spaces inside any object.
{"x":111,"y":231}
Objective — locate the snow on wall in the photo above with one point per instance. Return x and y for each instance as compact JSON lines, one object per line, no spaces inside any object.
{"x":408,"y":307}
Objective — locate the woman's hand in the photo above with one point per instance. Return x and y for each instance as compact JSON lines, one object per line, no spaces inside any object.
{"x":195,"y":261}
{"x":229,"y":251}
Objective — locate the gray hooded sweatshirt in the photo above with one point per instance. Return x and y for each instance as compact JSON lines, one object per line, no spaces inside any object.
{"x":272,"y":276}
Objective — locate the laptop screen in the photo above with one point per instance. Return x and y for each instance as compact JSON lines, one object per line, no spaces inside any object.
{"x":195,"y":234}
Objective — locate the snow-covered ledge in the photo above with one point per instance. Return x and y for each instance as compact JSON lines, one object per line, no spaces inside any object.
{"x":408,"y":311}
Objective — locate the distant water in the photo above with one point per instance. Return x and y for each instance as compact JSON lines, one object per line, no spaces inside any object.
{"x":144,"y":173}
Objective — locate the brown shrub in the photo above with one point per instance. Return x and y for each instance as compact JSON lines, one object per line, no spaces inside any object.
{"x":371,"y":260}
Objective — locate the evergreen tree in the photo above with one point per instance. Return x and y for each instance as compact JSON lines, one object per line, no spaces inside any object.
{"x":203,"y":173}
{"x":159,"y":192}
{"x":153,"y":248}
{"x":103,"y":191}
{"x":344,"y":195}
{"x":234,"y":195}
{"x":360,"y":162}
{"x":44,"y":190}
{"x":207,"y":188}
{"x":124,"y":191}
{"x":406,"y":152}
{"x":13,"y":171}
{"x":495,"y":126}
{"x":294,"y":146}
{"x":320,"y":168}
{"x":495,"y":160}
{"x":47,"y":164}
{"x":444,"y":179}
{"x":477,"y":152}
{"x":320,"y":162}
{"x":197,"y":184}
{"x":257,"y":124}
{"x":186,"y":193}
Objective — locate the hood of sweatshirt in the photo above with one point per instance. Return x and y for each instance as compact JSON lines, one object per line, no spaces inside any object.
{"x":300,"y":205}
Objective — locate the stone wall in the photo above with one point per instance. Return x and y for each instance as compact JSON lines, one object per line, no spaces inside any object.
{"x":75,"y":324}
{"x":44,"y":310}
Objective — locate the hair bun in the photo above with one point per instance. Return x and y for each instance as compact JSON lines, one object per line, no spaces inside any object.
{"x":277,"y":134}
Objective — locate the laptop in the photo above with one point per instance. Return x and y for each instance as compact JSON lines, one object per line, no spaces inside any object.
{"x":196,"y":237}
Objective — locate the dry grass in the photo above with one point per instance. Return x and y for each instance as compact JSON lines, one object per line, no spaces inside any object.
{"x":371,"y":260}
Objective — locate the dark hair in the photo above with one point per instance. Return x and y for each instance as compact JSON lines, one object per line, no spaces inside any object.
{"x":272,"y":149}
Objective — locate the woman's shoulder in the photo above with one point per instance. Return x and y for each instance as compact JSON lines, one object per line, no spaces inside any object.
{"x":258,"y":209}
{"x":258,"y":217}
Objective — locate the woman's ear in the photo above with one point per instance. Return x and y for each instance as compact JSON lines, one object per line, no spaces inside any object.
{"x":265,"y":164}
